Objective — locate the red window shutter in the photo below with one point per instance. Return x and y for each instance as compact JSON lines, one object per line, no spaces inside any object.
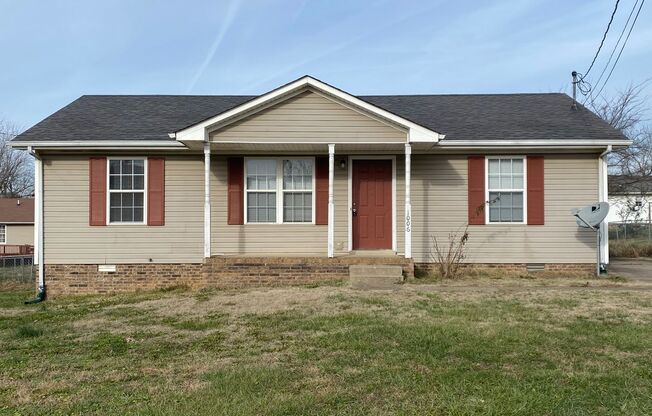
{"x":97,"y":191}
{"x":535,"y":194}
{"x":321,"y":191}
{"x":155,"y":191}
{"x":476,"y":190}
{"x":235,"y":190}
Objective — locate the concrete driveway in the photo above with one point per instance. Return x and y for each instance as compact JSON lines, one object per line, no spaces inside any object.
{"x":635,"y":269}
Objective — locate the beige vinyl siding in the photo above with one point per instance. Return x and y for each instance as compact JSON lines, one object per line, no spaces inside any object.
{"x":20,"y":234}
{"x":309,"y":118}
{"x":439,"y":206}
{"x":69,"y":238}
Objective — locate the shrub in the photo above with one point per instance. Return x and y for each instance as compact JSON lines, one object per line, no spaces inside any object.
{"x":630,"y":248}
{"x":449,"y":255}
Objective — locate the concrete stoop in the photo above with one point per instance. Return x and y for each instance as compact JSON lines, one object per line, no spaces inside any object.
{"x":375,"y":277}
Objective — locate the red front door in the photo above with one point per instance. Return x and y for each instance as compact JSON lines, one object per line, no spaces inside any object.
{"x":372,"y":204}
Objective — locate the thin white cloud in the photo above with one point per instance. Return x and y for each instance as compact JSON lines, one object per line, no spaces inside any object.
{"x":231,"y":12}
{"x":325,"y":52}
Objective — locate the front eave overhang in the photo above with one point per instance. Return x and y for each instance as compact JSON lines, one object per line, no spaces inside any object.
{"x":99,"y":144}
{"x":200,"y":131}
{"x":531,"y":144}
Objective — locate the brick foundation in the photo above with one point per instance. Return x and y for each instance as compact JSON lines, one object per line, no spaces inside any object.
{"x":84,"y":279}
{"x":521,"y":268}
{"x":218,"y":272}
{"x":241,"y":272}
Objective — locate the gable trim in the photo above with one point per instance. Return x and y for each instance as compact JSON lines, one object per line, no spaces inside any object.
{"x":199,"y":131}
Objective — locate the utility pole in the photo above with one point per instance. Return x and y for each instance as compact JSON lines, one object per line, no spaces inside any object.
{"x":574,"y":75}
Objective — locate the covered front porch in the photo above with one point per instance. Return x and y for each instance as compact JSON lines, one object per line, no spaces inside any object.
{"x":357,"y":201}
{"x":307,"y":170}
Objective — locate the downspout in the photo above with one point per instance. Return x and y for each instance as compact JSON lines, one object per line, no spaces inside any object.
{"x":603,"y":194}
{"x":38,"y":217}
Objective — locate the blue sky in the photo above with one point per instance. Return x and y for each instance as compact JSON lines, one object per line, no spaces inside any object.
{"x":55,"y":51}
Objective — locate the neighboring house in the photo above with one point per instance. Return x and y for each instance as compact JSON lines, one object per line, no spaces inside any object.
{"x":630,"y":198}
{"x":16,"y":221}
{"x":294,"y":185}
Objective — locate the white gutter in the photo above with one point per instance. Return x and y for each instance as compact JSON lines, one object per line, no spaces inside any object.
{"x":603,"y":195}
{"x":99,"y":144}
{"x":38,"y":220}
{"x":528,"y":142}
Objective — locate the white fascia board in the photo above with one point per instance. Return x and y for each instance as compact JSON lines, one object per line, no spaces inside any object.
{"x":99,"y":144}
{"x":531,"y":143}
{"x":198,"y":131}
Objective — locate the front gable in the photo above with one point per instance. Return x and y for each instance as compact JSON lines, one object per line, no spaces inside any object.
{"x":301,"y":96}
{"x":310,"y":117}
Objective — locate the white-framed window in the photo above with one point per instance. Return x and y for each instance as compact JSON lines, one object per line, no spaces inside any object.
{"x":279,"y":190}
{"x":506,"y":194}
{"x":3,"y":234}
{"x":127,"y":196}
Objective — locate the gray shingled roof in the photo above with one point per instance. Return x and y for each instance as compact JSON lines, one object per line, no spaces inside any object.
{"x":459,"y":117}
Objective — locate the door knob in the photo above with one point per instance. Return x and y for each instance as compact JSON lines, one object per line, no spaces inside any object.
{"x":354,"y":211}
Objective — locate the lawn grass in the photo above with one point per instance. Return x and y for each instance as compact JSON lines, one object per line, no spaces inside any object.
{"x":330,"y":350}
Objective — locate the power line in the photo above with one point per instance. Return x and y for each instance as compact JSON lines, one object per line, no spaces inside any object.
{"x":604,"y":37}
{"x":622,"y":32}
{"x":621,"y":49}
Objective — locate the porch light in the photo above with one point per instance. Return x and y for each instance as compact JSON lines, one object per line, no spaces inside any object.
{"x":342,"y":163}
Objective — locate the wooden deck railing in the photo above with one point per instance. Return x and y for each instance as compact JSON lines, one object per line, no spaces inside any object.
{"x":16,"y":250}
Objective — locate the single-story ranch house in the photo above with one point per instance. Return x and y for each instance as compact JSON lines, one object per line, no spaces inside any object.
{"x":296,"y":185}
{"x":16,"y":224}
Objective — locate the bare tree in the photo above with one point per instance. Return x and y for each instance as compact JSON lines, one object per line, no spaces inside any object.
{"x":16,"y":167}
{"x":626,"y":112}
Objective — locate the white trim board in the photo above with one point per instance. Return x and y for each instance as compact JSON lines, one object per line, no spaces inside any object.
{"x":199,"y":131}
{"x":350,"y":197}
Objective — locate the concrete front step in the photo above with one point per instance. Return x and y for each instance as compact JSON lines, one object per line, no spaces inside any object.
{"x":370,"y":277}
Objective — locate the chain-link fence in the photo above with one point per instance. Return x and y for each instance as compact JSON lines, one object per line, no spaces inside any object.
{"x":18,"y":269}
{"x":630,"y":231}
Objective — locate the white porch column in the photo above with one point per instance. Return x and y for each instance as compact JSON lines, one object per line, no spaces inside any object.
{"x":331,"y":206}
{"x":408,"y":201}
{"x":207,"y":199}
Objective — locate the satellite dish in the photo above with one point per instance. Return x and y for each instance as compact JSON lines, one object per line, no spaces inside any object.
{"x":592,"y":215}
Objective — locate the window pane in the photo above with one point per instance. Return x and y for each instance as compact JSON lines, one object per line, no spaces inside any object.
{"x":297,"y":174}
{"x":494,"y":214}
{"x":126,"y":182}
{"x":114,"y":182}
{"x":114,"y":167}
{"x":517,"y":166}
{"x":139,"y":182}
{"x":139,"y":166}
{"x":261,"y":206}
{"x":505,"y":181}
{"x":115,"y":215}
{"x":493,"y":166}
{"x":115,"y":200}
{"x":138,"y":214}
{"x":506,"y":207}
{"x":494,"y":182}
{"x":127,"y":214}
{"x":127,"y":167}
{"x":518,"y":182}
{"x":261,"y":174}
{"x":139,"y":199}
{"x":297,"y":207}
